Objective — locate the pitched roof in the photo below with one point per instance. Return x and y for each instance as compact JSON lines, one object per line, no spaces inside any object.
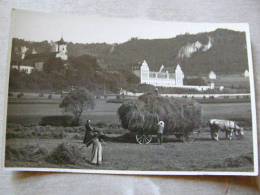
{"x":61,"y":41}
{"x":170,"y":69}
{"x":38,"y":57}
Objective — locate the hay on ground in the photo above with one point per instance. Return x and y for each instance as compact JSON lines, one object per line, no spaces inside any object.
{"x":29,"y":153}
{"x":67,"y":153}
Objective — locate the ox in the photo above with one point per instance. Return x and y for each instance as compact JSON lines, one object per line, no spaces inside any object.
{"x":227,"y":126}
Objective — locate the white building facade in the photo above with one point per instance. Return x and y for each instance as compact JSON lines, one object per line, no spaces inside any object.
{"x":246,"y":74}
{"x":212,"y":75}
{"x":23,"y":68}
{"x":164,"y":78}
{"x":61,"y":49}
{"x":161,"y":78}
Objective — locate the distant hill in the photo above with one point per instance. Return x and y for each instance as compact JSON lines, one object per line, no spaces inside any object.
{"x":222,"y":50}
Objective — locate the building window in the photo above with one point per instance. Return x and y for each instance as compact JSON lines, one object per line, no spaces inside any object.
{"x":162,"y":75}
{"x":152,"y":75}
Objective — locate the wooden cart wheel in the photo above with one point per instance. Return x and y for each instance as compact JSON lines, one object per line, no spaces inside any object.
{"x":143,"y":139}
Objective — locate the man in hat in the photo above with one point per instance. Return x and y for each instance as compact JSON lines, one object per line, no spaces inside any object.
{"x":93,"y":137}
{"x":160,"y":132}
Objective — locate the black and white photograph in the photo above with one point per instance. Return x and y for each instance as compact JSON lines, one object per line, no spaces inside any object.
{"x":111,"y":95}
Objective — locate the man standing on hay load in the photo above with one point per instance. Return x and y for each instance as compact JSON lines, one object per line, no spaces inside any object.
{"x":160,"y":132}
{"x":93,"y":137}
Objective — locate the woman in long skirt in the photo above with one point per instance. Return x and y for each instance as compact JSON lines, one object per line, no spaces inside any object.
{"x":96,"y":157}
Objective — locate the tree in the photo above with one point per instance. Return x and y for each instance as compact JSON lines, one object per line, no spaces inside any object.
{"x":53,"y":65}
{"x":194,"y":81}
{"x":77,"y":101}
{"x":84,"y":67}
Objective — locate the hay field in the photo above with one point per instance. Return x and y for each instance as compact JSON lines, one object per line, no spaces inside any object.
{"x":202,"y":154}
{"x":32,"y":146}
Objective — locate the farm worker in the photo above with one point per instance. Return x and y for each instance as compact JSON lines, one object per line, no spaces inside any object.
{"x":93,"y":137}
{"x":160,"y":132}
{"x":156,"y":91}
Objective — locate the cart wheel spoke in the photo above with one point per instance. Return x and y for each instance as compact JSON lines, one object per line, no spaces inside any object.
{"x":148,"y":139}
{"x":143,"y":139}
{"x":139,"y":138}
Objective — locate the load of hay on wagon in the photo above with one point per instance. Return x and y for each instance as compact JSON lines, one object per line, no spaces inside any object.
{"x":181,"y":115}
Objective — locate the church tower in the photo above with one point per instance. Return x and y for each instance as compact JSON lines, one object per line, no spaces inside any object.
{"x":61,"y":49}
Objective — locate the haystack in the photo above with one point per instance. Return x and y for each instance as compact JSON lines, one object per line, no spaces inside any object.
{"x":181,"y":115}
{"x":67,"y":153}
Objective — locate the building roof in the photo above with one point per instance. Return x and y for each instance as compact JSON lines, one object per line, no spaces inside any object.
{"x":38,"y":57}
{"x":163,"y":69}
{"x":170,"y":69}
{"x":144,"y":65}
{"x":178,"y":68}
{"x":61,"y":41}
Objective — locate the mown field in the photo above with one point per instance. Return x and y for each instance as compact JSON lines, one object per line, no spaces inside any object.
{"x":31,"y":145}
{"x":201,"y":154}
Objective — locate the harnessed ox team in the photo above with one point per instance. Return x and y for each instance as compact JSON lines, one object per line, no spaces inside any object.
{"x":227,"y":126}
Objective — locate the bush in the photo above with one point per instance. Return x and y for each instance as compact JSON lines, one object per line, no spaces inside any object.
{"x":36,"y":132}
{"x":179,"y":115}
{"x":115,"y":101}
{"x":57,"y":120}
{"x":50,"y":96}
{"x":114,"y":126}
{"x":101,"y":124}
{"x":194,"y":81}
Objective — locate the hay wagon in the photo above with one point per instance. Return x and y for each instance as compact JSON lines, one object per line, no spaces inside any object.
{"x":181,"y":117}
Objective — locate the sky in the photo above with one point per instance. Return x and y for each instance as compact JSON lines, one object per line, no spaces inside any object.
{"x":38,"y":26}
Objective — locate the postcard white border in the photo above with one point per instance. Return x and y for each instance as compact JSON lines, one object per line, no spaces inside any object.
{"x":129,"y":172}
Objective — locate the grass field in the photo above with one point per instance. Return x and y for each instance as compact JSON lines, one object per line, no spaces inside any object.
{"x":107,"y":112}
{"x":202,"y":154}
